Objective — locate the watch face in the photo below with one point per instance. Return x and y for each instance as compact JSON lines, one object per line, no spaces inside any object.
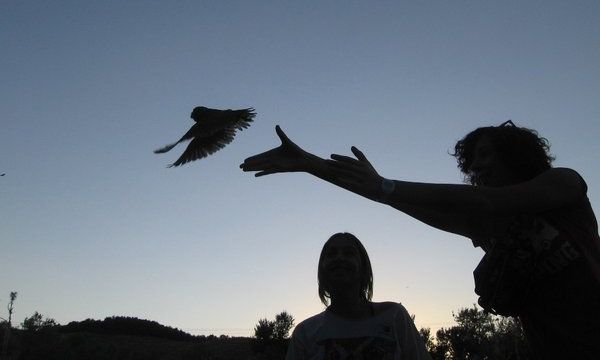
{"x":388,"y":186}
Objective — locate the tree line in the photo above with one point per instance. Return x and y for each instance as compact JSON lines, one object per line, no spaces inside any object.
{"x":476,"y":335}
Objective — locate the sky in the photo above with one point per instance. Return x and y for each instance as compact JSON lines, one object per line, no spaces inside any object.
{"x":93,"y":224}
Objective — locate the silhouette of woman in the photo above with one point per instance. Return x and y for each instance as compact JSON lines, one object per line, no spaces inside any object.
{"x":513,"y":198}
{"x":353,"y":327}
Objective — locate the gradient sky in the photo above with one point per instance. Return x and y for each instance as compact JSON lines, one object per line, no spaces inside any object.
{"x":93,"y":224}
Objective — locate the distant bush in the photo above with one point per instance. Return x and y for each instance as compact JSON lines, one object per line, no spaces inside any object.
{"x":271,"y":337}
{"x":274,"y":330}
{"x":477,"y":335}
{"x":125,"y":325}
{"x":37,"y":322}
{"x":264,"y":329}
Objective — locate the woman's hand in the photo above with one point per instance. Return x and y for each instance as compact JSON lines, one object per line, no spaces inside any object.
{"x":356,"y":175}
{"x":288,"y":157}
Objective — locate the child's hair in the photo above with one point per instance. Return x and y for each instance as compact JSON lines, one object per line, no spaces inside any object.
{"x":366,"y":279}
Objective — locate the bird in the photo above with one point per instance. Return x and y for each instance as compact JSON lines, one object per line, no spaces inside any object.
{"x":213,"y":130}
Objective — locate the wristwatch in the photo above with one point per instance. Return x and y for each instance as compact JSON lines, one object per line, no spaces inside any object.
{"x":387,"y":187}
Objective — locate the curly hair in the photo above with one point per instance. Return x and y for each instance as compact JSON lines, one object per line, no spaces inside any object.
{"x":366,"y":281}
{"x":521,"y":149}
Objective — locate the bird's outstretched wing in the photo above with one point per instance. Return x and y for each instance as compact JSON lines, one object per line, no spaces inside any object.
{"x":243,"y":118}
{"x":213,"y":120}
{"x":201,"y":147}
{"x":187,"y":136}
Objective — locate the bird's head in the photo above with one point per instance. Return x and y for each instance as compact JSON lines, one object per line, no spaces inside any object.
{"x":198,"y":112}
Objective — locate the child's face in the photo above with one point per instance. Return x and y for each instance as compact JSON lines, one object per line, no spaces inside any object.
{"x":341,"y":262}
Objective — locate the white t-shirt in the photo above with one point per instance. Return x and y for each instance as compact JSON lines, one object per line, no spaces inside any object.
{"x":389,"y":334}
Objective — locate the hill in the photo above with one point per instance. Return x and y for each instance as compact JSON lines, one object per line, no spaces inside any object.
{"x":123,"y":338}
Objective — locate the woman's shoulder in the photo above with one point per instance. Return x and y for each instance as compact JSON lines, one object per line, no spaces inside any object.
{"x":388,"y":306}
{"x":311,"y":322}
{"x":566,"y":177}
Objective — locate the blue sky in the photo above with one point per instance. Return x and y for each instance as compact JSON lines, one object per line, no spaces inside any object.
{"x":93,"y":224}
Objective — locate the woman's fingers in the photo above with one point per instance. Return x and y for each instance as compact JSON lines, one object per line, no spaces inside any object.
{"x":258,"y":160}
{"x":253,"y":164}
{"x":282,"y":136}
{"x":344,"y":158}
{"x":359,"y":154}
{"x":349,"y":164}
{"x":267,"y":169}
{"x":265,"y":172}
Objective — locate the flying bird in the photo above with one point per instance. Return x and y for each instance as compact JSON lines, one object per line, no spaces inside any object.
{"x":212,"y":131}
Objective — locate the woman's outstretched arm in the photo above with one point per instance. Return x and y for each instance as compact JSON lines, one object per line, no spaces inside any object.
{"x":457,"y":208}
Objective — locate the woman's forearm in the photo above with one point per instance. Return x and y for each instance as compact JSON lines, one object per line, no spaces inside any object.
{"x":442,"y":198}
